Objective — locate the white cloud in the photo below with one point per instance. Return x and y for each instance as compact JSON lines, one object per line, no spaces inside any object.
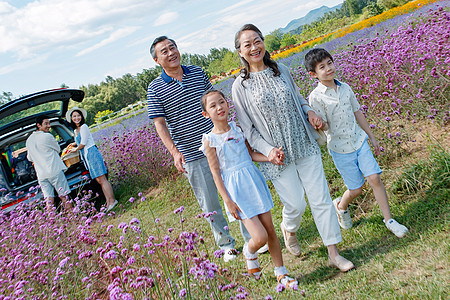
{"x":266,"y":15}
{"x":134,"y":67}
{"x":116,"y":35}
{"x":45,"y":24}
{"x":306,"y":7}
{"x":166,"y":18}
{"x":6,"y":8}
{"x":228,"y":8}
{"x":220,"y":33}
{"x":23,"y":65}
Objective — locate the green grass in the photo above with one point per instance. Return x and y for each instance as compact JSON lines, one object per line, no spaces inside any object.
{"x":415,"y":267}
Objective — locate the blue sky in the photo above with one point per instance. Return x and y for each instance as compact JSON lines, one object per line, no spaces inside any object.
{"x":45,"y":43}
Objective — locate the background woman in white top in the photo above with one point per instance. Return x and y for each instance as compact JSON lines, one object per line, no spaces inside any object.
{"x":90,"y":153}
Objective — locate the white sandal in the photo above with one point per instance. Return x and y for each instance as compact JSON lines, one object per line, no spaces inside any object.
{"x":253,"y":266}
{"x":287,"y":281}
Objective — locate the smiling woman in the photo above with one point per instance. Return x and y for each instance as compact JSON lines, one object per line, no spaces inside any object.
{"x":84,"y":142}
{"x":250,"y":44}
{"x":274,"y":117}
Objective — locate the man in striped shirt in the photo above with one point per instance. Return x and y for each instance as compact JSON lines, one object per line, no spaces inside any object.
{"x":174,"y":105}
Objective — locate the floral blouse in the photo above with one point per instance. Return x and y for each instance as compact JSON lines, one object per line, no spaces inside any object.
{"x":275,"y":100}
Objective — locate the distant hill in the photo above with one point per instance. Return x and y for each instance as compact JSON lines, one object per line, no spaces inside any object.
{"x":310,"y":17}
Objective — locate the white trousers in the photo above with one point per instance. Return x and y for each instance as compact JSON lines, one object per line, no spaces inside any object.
{"x":307,"y":175}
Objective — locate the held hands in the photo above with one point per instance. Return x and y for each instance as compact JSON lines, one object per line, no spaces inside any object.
{"x":315,"y":120}
{"x":233,"y":208}
{"x":178,"y":161}
{"x":72,"y":148}
{"x":376,"y":146}
{"x":276,"y":156}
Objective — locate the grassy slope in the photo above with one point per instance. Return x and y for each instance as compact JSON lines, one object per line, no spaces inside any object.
{"x":387,"y":267}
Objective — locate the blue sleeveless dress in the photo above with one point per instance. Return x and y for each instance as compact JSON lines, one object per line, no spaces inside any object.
{"x":93,"y":159}
{"x":244,"y":182}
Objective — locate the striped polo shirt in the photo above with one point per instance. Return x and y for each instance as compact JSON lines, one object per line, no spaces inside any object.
{"x":179,"y":103}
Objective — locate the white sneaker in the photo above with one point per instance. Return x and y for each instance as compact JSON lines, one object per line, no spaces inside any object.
{"x":230,"y":254}
{"x":398,"y":229}
{"x":344,"y":218}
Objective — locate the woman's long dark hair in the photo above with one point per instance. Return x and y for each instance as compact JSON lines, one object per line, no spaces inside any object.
{"x":266,"y":59}
{"x":72,"y":124}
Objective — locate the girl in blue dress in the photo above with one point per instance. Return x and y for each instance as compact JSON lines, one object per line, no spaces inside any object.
{"x":90,"y":154}
{"x":241,"y":184}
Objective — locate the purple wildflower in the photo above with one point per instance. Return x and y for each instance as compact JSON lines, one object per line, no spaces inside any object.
{"x":182,"y":293}
{"x":280,"y":287}
{"x":131,"y":260}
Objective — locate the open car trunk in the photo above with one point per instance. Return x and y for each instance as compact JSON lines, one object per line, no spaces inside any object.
{"x":17,"y":122}
{"x":17,"y":174}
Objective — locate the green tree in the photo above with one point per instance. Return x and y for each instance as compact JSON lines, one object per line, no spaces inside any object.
{"x":215,"y":54}
{"x":112,"y":94}
{"x":272,"y":41}
{"x":351,"y":8}
{"x":129,"y":91}
{"x":148,"y":75}
{"x":373,"y":9}
{"x":228,"y":62}
{"x":287,"y":40}
{"x":388,"y":4}
{"x":215,"y":67}
{"x":194,"y":59}
{"x":90,"y":90}
{"x":5,"y":97}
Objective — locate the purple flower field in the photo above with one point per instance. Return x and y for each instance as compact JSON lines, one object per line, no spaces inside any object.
{"x":125,"y":125}
{"x":80,"y":255}
{"x":398,"y":69}
{"x":136,"y":157}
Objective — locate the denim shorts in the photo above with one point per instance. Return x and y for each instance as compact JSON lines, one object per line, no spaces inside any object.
{"x":58,"y":183}
{"x":356,"y":165}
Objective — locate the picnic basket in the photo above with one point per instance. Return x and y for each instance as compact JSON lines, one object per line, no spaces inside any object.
{"x":70,"y":158}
